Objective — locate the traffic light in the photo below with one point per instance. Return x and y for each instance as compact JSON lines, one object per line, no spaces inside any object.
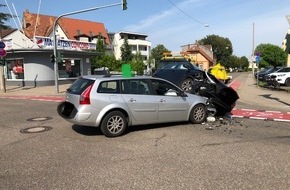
{"x":52,"y":58}
{"x":124,"y":4}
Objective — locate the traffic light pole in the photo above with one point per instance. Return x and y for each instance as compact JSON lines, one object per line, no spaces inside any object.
{"x":124,"y":6}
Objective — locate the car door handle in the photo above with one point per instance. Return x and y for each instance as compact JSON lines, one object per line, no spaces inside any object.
{"x":132,"y":100}
{"x":162,"y":101}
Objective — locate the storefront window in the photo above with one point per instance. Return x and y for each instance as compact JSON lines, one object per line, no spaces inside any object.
{"x":14,"y":69}
{"x":69,"y":68}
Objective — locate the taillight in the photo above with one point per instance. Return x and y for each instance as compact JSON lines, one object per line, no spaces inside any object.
{"x":85,"y":96}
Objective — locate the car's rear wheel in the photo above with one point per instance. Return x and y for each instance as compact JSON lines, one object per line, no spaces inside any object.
{"x":186,"y":84}
{"x":287,"y":82}
{"x":114,"y":124}
{"x":198,"y":114}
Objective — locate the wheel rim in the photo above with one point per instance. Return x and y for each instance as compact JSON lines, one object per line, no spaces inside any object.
{"x":199,"y":114}
{"x":187,"y":85}
{"x":115,"y":124}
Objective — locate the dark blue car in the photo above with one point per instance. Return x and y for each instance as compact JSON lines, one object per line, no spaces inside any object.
{"x":180,"y":72}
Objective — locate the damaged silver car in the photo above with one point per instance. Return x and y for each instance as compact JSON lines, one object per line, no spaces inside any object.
{"x":113,"y":103}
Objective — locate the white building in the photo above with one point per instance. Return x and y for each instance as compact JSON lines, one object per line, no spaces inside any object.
{"x":136,"y":41}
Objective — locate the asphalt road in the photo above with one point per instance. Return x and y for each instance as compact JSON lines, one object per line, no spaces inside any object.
{"x":227,"y":154}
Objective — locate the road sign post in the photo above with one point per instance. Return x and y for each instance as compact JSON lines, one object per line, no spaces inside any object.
{"x":3,"y":53}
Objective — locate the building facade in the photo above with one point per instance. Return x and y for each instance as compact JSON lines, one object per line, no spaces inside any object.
{"x":136,"y":41}
{"x":28,"y":61}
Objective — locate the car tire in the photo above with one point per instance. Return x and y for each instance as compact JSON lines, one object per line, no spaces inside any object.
{"x":287,"y":82}
{"x":114,"y":124}
{"x":186,"y":85}
{"x":198,"y":114}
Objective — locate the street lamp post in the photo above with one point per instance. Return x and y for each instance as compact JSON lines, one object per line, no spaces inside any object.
{"x":124,"y":7}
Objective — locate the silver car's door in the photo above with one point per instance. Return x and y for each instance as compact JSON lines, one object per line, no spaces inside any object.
{"x":142,"y":104}
{"x":171,"y":106}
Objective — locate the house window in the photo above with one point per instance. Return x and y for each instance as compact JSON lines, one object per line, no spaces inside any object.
{"x":69,"y":68}
{"x":14,"y":69}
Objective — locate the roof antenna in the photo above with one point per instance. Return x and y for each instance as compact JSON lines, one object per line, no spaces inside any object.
{"x":11,"y":15}
{"x":17,"y":17}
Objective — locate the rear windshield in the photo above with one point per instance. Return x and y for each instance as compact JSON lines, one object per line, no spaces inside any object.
{"x":79,"y":86}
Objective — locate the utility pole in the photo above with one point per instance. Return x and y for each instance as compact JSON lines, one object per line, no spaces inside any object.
{"x":253,"y":50}
{"x":124,"y":7}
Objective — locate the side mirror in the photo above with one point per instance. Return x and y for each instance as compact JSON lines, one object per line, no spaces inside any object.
{"x":182,"y":94}
{"x":186,"y":66}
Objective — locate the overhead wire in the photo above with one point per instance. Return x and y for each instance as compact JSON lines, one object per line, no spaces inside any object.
{"x":189,"y":16}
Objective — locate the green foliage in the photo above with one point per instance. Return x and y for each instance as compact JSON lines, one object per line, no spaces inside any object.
{"x":100,"y":46}
{"x":126,"y":53}
{"x":222,"y":47}
{"x":111,"y":62}
{"x":271,"y":55}
{"x":4,"y":17}
{"x":157,"y":52}
{"x":244,"y":62}
{"x":138,"y":64}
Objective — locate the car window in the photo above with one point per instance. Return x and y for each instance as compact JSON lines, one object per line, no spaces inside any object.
{"x":169,"y":65}
{"x":135,"y":86}
{"x":80,"y":85}
{"x":163,"y":88}
{"x":286,"y":69}
{"x":108,"y":87}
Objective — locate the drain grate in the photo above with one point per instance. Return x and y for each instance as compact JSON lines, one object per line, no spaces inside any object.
{"x":39,"y":119}
{"x":38,"y":129}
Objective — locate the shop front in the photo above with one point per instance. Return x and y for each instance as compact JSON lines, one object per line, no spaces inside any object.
{"x":34,"y":68}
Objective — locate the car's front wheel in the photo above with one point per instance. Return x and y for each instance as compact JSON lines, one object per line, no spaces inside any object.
{"x":186,"y":85}
{"x":198,"y":114}
{"x":114,"y":124}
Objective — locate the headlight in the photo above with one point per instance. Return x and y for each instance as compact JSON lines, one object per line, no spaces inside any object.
{"x":281,"y":75}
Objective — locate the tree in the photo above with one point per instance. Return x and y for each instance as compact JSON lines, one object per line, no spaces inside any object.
{"x":4,"y":17}
{"x":110,"y":62}
{"x":244,"y":62}
{"x":271,"y":55}
{"x":126,"y":53}
{"x":100,"y":51}
{"x":138,"y":64}
{"x":222,"y":47}
{"x":157,"y":52}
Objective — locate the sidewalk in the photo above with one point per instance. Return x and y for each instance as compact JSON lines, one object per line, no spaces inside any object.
{"x":35,"y":91}
{"x":259,"y":97}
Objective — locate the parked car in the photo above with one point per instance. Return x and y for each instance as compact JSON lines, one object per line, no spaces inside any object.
{"x":179,"y":71}
{"x":264,"y":72}
{"x":222,"y":97}
{"x":282,"y":76}
{"x":113,"y":103}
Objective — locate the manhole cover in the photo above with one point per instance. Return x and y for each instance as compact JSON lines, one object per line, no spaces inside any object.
{"x":39,"y":119}
{"x":37,"y":129}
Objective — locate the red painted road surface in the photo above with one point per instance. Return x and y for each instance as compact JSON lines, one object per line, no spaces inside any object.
{"x":263,"y":115}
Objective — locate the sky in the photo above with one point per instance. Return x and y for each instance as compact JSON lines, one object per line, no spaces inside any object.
{"x":174,"y":23}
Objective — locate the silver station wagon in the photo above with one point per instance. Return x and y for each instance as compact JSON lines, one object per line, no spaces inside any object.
{"x":114,"y":102}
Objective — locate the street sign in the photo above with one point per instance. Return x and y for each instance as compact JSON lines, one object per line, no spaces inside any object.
{"x":3,"y":53}
{"x":2,"y":45}
{"x":258,"y":58}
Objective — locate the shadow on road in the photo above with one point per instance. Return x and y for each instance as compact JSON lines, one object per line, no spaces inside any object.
{"x":268,"y":96}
